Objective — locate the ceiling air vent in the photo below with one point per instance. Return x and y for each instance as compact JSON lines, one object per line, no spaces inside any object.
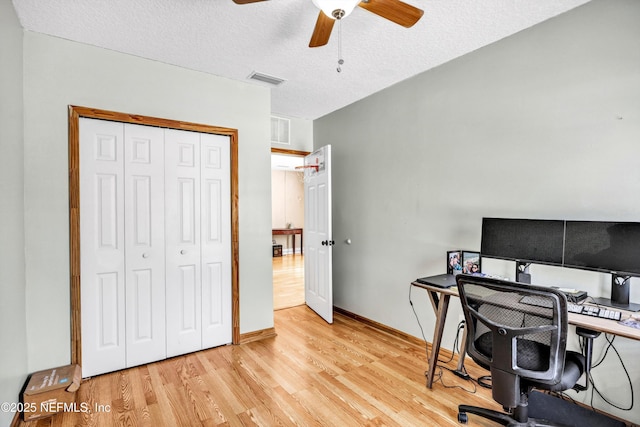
{"x":264,"y":78}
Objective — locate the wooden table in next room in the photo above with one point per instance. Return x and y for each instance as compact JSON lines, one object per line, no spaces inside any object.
{"x":290,"y":232}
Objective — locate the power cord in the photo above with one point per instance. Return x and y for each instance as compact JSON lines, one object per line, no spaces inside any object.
{"x":484,"y":381}
{"x":424,"y":338}
{"x":462,"y":373}
{"x":610,"y":346}
{"x":440,"y":378}
{"x":422,"y":331}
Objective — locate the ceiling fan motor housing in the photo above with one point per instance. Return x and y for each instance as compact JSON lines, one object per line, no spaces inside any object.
{"x":336,"y":9}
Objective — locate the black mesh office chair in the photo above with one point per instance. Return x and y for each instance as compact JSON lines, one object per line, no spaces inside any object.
{"x":519,"y":333}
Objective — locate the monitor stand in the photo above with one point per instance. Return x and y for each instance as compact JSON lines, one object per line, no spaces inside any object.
{"x":619,"y":295}
{"x":522,"y":272}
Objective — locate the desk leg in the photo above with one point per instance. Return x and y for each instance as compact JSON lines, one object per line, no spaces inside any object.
{"x":440,"y":306}
{"x":294,"y":243}
{"x":301,"y":245}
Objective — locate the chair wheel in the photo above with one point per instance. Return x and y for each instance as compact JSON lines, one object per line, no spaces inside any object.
{"x":463,"y":418}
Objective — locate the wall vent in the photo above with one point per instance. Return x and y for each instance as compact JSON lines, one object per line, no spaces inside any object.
{"x":264,"y":78}
{"x":280,"y":130}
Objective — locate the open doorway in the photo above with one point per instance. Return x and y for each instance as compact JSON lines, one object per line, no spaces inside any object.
{"x":287,"y":213}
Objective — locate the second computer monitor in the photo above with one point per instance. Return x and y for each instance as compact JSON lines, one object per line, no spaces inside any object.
{"x":523,"y":240}
{"x":610,"y":247}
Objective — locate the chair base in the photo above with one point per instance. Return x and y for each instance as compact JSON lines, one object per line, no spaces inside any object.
{"x":503,"y":418}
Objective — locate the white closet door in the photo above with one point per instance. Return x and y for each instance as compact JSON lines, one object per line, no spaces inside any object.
{"x":182,"y":234}
{"x":102,"y":243}
{"x":144,"y":244}
{"x":216,"y":240}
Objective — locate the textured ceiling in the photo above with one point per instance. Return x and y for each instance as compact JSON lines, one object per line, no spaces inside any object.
{"x":272,"y":37}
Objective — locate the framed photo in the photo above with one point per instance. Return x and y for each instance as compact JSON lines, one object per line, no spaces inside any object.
{"x":454,"y":262}
{"x":470,"y":262}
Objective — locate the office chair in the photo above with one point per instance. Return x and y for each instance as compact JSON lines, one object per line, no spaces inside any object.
{"x":518,"y":332}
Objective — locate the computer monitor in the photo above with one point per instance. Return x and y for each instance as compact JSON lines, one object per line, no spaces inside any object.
{"x":609,"y":247}
{"x":524,"y":241}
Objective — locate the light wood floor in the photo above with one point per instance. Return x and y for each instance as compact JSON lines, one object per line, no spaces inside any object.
{"x":310,"y":374}
{"x":288,"y":281}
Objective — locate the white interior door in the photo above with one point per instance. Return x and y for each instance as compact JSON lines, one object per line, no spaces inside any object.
{"x":182,"y":233}
{"x":144,"y":244}
{"x":103,"y":250}
{"x":318,"y":243}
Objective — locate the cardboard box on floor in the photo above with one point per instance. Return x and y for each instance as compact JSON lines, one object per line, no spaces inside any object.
{"x":51,"y":391}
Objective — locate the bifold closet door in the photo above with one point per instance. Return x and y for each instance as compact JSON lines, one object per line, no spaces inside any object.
{"x":183,"y":270}
{"x":122,"y":243}
{"x":155,"y":239}
{"x":102,"y":243}
{"x":198,"y":234}
{"x":216,"y":240}
{"x":144,"y":244}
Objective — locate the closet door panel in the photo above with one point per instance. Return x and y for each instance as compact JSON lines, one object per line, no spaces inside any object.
{"x":216,"y":240}
{"x":214,"y":310}
{"x":140,"y":323}
{"x":108,"y":308}
{"x":182,"y":234}
{"x":102,"y":264}
{"x":145,"y":244}
{"x":187,"y":306}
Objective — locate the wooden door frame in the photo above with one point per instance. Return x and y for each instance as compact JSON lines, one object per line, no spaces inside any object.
{"x":75,"y":113}
{"x":290,"y":152}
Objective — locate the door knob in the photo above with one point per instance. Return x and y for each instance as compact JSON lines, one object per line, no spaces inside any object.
{"x":145,"y":255}
{"x":183,"y":251}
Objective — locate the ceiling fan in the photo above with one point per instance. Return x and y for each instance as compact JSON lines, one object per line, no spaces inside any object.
{"x":331,"y":10}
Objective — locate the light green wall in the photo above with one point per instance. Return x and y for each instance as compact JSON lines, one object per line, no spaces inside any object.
{"x":58,"y":73}
{"x":543,"y":124}
{"x":40,"y":77}
{"x":13,"y":341}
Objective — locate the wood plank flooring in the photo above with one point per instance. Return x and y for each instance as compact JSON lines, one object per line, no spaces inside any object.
{"x":311,"y":374}
{"x":288,"y":281}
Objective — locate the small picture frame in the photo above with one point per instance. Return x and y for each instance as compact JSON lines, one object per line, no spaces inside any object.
{"x":461,"y":261}
{"x":454,"y":262}
{"x":471,"y":262}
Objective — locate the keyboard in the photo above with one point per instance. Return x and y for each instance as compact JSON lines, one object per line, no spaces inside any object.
{"x":590,"y":310}
{"x":587,"y":310}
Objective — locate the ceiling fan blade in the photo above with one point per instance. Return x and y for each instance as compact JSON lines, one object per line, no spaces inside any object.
{"x":322,"y":31}
{"x":246,"y":1}
{"x":394,"y":10}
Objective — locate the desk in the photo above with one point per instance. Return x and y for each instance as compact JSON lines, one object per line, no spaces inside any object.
{"x":440,"y":297}
{"x":290,"y":232}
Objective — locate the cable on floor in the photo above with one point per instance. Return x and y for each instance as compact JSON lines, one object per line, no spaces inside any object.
{"x":484,"y":381}
{"x":610,"y":345}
